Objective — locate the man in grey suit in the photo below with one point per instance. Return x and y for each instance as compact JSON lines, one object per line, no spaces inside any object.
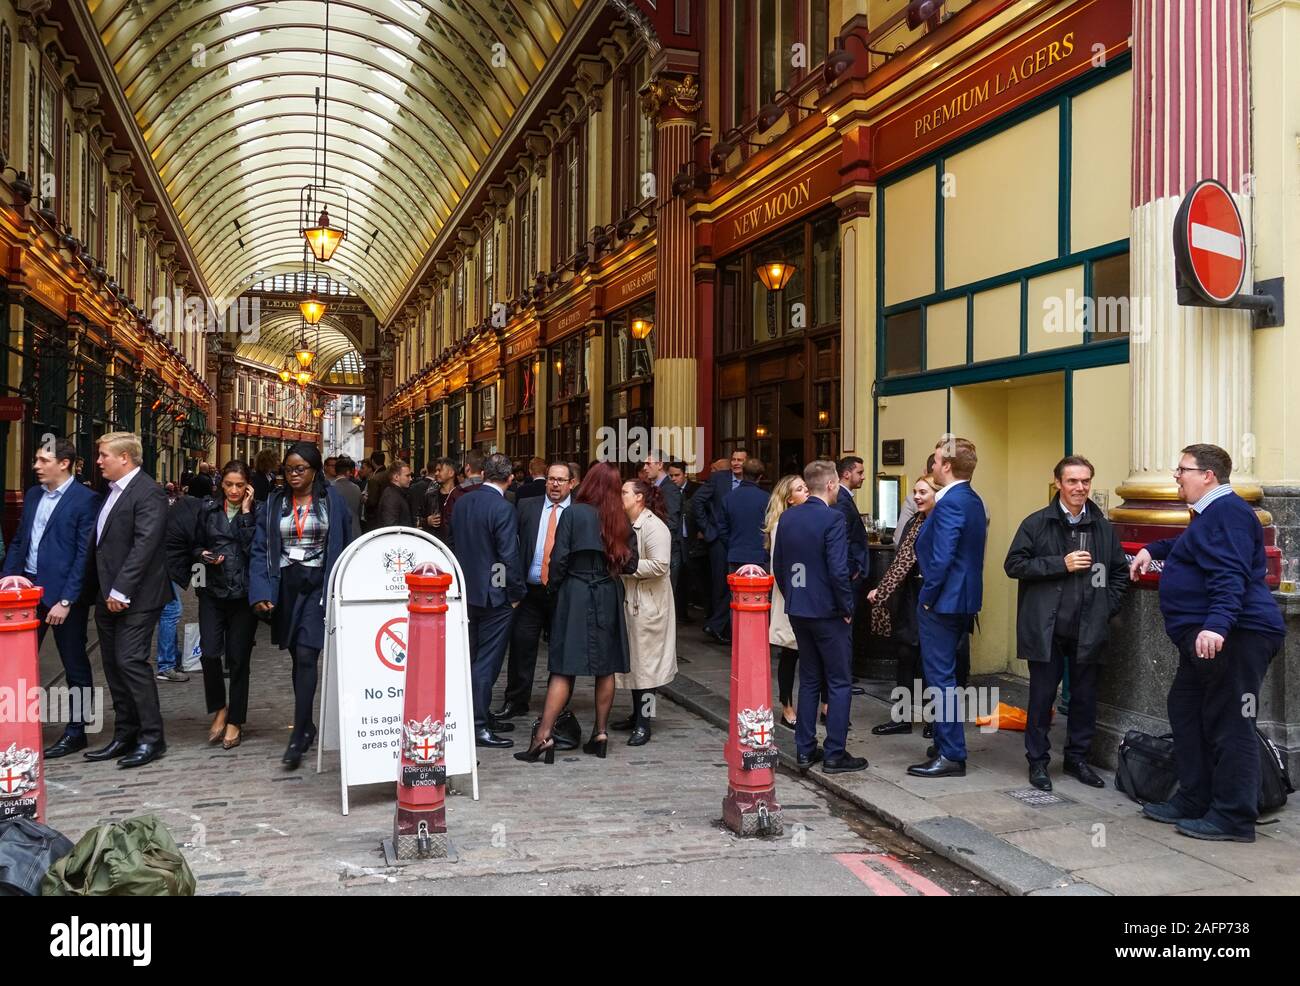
{"x":132,"y":590}
{"x":347,"y":487}
{"x":656,"y":469}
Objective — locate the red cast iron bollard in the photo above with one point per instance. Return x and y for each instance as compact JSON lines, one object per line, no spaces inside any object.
{"x":22,"y":781}
{"x":750,"y":807}
{"x":420,"y":826}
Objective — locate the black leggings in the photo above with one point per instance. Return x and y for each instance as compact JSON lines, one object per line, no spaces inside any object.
{"x":788,"y":658}
{"x":306,"y":669}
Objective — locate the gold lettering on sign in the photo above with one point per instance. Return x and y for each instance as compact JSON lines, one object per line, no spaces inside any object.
{"x":636,"y":283}
{"x":1003,"y":81}
{"x":772,"y":208}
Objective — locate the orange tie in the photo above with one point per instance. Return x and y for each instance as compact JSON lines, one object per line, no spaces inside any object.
{"x":549,"y":543}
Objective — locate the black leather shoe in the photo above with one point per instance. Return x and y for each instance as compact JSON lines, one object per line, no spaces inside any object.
{"x":66,"y":744}
{"x":500,"y":725}
{"x":891,"y":728}
{"x":511,"y":710}
{"x":806,"y":762}
{"x":640,"y":736}
{"x":1038,"y":776}
{"x":624,"y":725}
{"x":1084,"y":774}
{"x":292,"y":757}
{"x":143,"y":754}
{"x":940,"y":766}
{"x":844,"y":765}
{"x":928,"y":731}
{"x":117,"y":748}
{"x":716,"y":637}
{"x":485,"y":737}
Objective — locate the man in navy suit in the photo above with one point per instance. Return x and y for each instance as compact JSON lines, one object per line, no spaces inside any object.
{"x":487,"y":546}
{"x":52,"y":549}
{"x":950,"y":553}
{"x":811,"y":565}
{"x":741,"y":525}
{"x":708,"y":515}
{"x":852,"y":473}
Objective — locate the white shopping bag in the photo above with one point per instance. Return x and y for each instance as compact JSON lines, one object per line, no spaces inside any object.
{"x":191,"y":651}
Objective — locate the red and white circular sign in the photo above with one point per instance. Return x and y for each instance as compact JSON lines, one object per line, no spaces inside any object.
{"x":1210,"y":242}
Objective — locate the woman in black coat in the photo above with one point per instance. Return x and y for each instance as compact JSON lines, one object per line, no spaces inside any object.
{"x":893,"y":603}
{"x":593,"y":546}
{"x":227,"y":624}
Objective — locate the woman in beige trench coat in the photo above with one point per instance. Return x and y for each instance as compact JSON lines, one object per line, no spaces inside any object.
{"x":790,"y":491}
{"x":648,"y":607}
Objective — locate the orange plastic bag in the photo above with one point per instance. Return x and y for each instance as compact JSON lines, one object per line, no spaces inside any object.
{"x":1007,"y":717}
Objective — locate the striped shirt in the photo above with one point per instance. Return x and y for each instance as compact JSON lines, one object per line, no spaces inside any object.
{"x":309,"y":547}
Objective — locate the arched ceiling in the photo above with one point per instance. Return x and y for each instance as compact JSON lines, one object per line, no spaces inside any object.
{"x":278,"y":335}
{"x":419,"y":91}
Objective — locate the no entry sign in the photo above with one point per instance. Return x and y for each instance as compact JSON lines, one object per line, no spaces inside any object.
{"x":1210,"y":243}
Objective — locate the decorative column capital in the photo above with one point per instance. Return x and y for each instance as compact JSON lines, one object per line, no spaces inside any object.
{"x":665,"y":97}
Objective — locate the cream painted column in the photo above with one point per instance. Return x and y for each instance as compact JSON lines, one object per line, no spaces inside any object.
{"x":595,"y":347}
{"x":15,"y":464}
{"x":673,"y":104}
{"x":541,"y":397}
{"x":1275,"y":89}
{"x":858,"y":331}
{"x":1191,"y":368}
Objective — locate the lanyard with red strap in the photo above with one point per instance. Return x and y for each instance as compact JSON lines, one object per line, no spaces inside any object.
{"x":300,"y":516}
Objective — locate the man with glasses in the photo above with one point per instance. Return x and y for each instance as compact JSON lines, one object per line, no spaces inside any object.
{"x":1070,"y":565}
{"x":1226,"y":625}
{"x":539,"y":516}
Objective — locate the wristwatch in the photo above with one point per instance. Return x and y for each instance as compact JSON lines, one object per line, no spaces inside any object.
{"x":65,"y":602}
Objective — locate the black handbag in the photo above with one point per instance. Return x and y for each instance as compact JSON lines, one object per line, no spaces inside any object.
{"x":567,"y":731}
{"x":1145,"y":770}
{"x":1274,"y":780}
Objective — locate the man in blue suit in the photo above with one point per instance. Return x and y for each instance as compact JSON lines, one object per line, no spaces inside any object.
{"x":950,"y":553}
{"x":487,"y":546}
{"x":810,"y":563}
{"x":741,"y":524}
{"x":708,"y":504}
{"x":52,"y":549}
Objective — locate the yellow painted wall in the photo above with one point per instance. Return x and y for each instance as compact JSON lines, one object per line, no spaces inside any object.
{"x":1003,"y":214}
{"x":920,"y":420}
{"x":1054,"y":306}
{"x":1100,"y":168}
{"x":1018,"y":429}
{"x":909,"y":237}
{"x":997,"y":322}
{"x":945,"y":334}
{"x":1101,"y":424}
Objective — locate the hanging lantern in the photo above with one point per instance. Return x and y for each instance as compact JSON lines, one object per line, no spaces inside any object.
{"x":641,"y":327}
{"x":316,"y":412}
{"x":322,"y":238}
{"x":285,"y":372}
{"x":356,"y":421}
{"x":312,"y":308}
{"x":303,"y":377}
{"x":304,"y":355}
{"x":775,"y":274}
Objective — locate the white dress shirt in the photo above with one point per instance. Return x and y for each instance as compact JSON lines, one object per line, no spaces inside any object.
{"x":115,"y":491}
{"x":535,"y":567}
{"x":44,"y":511}
{"x":939,"y":493}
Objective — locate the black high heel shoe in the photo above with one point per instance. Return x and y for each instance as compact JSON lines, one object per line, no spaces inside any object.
{"x":292,"y":756}
{"x":598,"y":747}
{"x":543,"y":751}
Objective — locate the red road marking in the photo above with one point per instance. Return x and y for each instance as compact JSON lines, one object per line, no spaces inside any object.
{"x":927,"y":887}
{"x":877,"y":883}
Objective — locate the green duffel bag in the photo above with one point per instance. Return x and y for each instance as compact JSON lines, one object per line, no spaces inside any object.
{"x":134,"y":858}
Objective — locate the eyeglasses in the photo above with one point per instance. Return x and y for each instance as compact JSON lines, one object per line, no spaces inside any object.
{"x":1179,"y":470}
{"x":295,"y":470}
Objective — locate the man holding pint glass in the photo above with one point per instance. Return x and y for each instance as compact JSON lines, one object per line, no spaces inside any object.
{"x":1072,"y":574}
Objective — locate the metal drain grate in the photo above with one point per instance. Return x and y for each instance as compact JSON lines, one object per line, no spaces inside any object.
{"x":1035,"y":798}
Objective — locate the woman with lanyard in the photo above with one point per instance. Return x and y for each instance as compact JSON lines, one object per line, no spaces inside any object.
{"x":306,"y":527}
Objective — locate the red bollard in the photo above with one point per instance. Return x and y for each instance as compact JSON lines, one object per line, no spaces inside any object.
{"x":22,"y":781}
{"x":750,"y":807}
{"x":420,"y":826}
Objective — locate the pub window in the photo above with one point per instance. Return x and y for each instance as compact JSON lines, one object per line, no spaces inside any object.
{"x":239,"y":394}
{"x":826,"y":272}
{"x":631,"y":358}
{"x":569,"y":197}
{"x":732,"y":322}
{"x":523,"y":272}
{"x":1112,"y":310}
{"x":46,"y":151}
{"x":758,"y":60}
{"x":903,"y":343}
{"x":489,"y":271}
{"x":634,"y":138}
{"x":435,"y":431}
{"x":740,"y":61}
{"x":780,"y":313}
{"x":438,"y":326}
{"x":818,"y":31}
{"x":6,"y":86}
{"x":458,"y":301}
{"x":731,"y":424}
{"x":826,"y":397}
{"x":775,"y":39}
{"x":31,"y":122}
{"x":66,"y":198}
{"x":534,"y":263}
{"x":124,"y":246}
{"x":485,"y":408}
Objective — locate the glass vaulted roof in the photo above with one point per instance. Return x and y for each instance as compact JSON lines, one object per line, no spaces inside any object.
{"x":419,"y":92}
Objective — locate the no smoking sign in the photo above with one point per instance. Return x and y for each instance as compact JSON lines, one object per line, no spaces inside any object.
{"x":390,"y":644}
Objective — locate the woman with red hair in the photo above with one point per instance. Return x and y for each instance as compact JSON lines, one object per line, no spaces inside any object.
{"x":594,"y":546}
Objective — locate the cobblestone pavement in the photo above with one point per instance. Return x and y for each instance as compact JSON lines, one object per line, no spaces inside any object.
{"x":644,"y":820}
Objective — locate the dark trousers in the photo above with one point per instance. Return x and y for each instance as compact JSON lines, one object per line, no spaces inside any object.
{"x":941,"y":635}
{"x":1044,"y":677}
{"x":787,"y":663}
{"x":532,"y":617}
{"x":125,"y":646}
{"x":908,"y":669}
{"x":70,"y":638}
{"x":489,"y":635}
{"x":306,"y":675}
{"x":1215,"y":746}
{"x":226,"y":629}
{"x":695,"y":582}
{"x":720,"y":614}
{"x":825,"y":658}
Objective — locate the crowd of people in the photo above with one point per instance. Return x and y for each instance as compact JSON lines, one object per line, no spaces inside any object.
{"x":604,"y":568}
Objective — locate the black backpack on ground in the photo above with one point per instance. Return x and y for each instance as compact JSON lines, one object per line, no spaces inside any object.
{"x":1146,"y":772}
